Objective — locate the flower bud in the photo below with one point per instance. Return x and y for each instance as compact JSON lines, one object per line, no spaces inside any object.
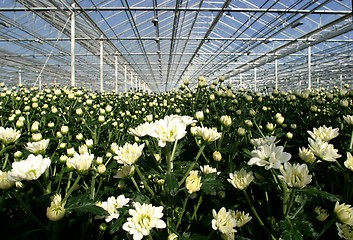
{"x":101,"y":119}
{"x":70,"y":152}
{"x":101,"y":168}
{"x":64,"y":130}
{"x":99,"y":160}
{"x":270,"y":126}
{"x":56,"y":211}
{"x":36,"y":137}
{"x":217,"y":156}
{"x":289,"y":135}
{"x":226,"y":120}
{"x":79,"y":136}
{"x":79,"y":111}
{"x":241,"y":131}
{"x":199,"y":116}
{"x":193,"y":182}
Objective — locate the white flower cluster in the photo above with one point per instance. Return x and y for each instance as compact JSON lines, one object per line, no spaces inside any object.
{"x":226,"y":221}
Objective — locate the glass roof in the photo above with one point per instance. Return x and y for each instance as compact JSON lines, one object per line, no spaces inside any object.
{"x":156,"y":45}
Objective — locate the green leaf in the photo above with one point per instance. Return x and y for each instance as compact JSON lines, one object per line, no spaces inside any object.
{"x":116,"y":225}
{"x":83,"y":205}
{"x":314,"y":191}
{"x":171,"y":184}
{"x":290,"y":231}
{"x":210,"y":185}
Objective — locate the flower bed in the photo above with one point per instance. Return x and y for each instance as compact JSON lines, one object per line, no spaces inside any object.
{"x":213,"y":163}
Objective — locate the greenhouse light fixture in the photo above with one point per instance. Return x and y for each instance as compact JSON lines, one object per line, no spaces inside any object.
{"x":155,"y":21}
{"x":296,"y":24}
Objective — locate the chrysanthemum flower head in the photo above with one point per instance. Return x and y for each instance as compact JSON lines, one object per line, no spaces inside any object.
{"x":269,"y":156}
{"x":223,"y":221}
{"x":9,"y":135}
{"x":80,"y":162}
{"x":37,"y":147}
{"x":323,"y":150}
{"x":241,"y":179}
{"x":324,"y":133}
{"x":344,"y":212}
{"x":112,"y":206}
{"x":30,"y":169}
{"x":144,"y":217}
{"x":295,"y":176}
{"x":127,"y":154}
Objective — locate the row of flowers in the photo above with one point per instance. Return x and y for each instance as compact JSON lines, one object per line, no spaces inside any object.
{"x":209,"y":163}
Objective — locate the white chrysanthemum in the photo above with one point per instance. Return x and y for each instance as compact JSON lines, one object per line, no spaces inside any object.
{"x":295,"y":176}
{"x":37,"y":147}
{"x":269,"y":156}
{"x":324,"y":133}
{"x":169,"y":129}
{"x":80,"y":162}
{"x":207,"y":134}
{"x":193,"y":182}
{"x":223,"y":221}
{"x":127,"y":154}
{"x":141,"y":130}
{"x":30,"y":169}
{"x":344,"y":213}
{"x":56,"y":211}
{"x":348,"y":119}
{"x":112,"y":206}
{"x":268,"y":140}
{"x":207,"y":169}
{"x":5,"y":183}
{"x":9,"y":135}
{"x":241,"y":218}
{"x":241,"y":179}
{"x":307,"y":155}
{"x":323,"y":150}
{"x":345,"y":231}
{"x":143,"y":219}
{"x":125,"y":171}
{"x":322,"y":215}
{"x":349,"y":161}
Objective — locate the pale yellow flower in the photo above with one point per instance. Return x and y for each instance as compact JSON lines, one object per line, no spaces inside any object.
{"x":324,"y":133}
{"x":307,"y":155}
{"x":37,"y":147}
{"x":80,"y":162}
{"x":30,"y":169}
{"x":207,"y":169}
{"x":226,"y":120}
{"x":241,"y":218}
{"x":207,"y":134}
{"x":349,"y":162}
{"x":269,"y":156}
{"x":199,"y":116}
{"x":217,"y":156}
{"x":143,"y":219}
{"x":323,"y":150}
{"x":295,"y":176}
{"x":169,"y":129}
{"x":267,"y":140}
{"x":56,"y":211}
{"x":344,"y":213}
{"x":9,"y":135}
{"x":172,"y":236}
{"x":223,"y":221}
{"x":125,"y":171}
{"x":141,"y":130}
{"x":345,"y":231}
{"x":322,"y":215}
{"x":5,"y":183}
{"x":112,"y":206}
{"x":348,"y":119}
{"x":241,"y":179}
{"x":193,"y":182}
{"x":127,"y":154}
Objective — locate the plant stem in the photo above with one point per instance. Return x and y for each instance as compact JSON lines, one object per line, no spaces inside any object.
{"x":71,"y":189}
{"x":135,"y":184}
{"x":192,"y":165}
{"x":327,"y":225}
{"x":144,"y":181}
{"x":256,"y":214}
{"x":28,"y":210}
{"x":93,"y":183}
{"x":182,"y":212}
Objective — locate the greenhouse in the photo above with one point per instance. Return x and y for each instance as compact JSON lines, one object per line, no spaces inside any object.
{"x":176,"y":120}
